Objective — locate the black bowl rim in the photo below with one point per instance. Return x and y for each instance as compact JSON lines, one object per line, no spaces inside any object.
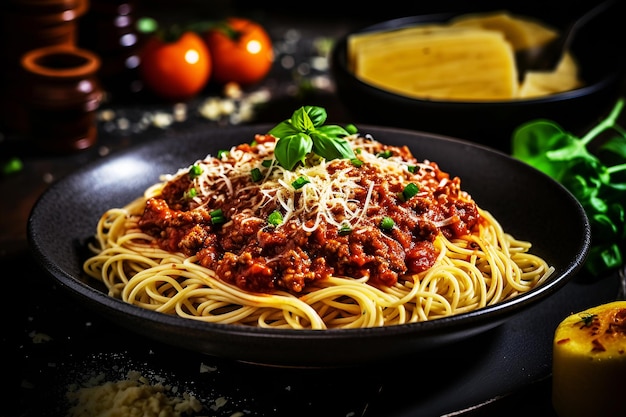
{"x":127,"y":314}
{"x":338,"y":62}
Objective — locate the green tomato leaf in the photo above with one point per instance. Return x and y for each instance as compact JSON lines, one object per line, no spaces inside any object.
{"x":290,"y":150}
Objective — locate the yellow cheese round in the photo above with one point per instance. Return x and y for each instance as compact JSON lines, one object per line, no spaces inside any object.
{"x":589,"y":363}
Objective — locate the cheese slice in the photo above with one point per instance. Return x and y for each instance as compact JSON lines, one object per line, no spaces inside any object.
{"x":541,"y":83}
{"x":437,"y":63}
{"x":521,"y":31}
{"x":589,"y":363}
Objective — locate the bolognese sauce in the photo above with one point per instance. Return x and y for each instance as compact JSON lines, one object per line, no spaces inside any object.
{"x":335,"y":218}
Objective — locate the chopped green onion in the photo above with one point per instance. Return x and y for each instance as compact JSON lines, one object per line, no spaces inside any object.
{"x":387,"y":223}
{"x":217,"y":216}
{"x":345,"y":229}
{"x":256,"y":174}
{"x":351,"y":129}
{"x":275,"y":218}
{"x":195,"y":171}
{"x":267,"y":163}
{"x":384,"y":154}
{"x":356,"y":162}
{"x":411,"y":168}
{"x":191,"y":193}
{"x":216,"y":213}
{"x":12,"y":165}
{"x":409,"y":191}
{"x":300,"y":182}
{"x":222,"y":153}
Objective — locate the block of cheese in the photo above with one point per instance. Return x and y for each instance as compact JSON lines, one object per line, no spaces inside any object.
{"x":521,"y":31}
{"x":541,"y":83}
{"x":589,"y":363}
{"x":436,"y":62}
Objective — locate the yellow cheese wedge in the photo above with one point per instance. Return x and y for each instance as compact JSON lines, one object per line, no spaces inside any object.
{"x":523,"y":32}
{"x":438,"y":63}
{"x":541,"y":83}
{"x":589,"y":363}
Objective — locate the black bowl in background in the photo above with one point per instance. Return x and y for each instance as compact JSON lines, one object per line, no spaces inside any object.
{"x":489,"y":123}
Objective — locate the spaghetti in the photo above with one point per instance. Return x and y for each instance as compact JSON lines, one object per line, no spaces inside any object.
{"x":381,"y":240}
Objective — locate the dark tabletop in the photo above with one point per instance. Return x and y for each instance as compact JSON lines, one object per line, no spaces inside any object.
{"x":53,"y":342}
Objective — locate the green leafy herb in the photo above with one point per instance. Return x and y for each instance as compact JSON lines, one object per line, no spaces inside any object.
{"x":387,"y":223}
{"x":306,"y":133}
{"x":345,"y":229}
{"x":275,"y":218}
{"x":587,"y":319}
{"x":595,"y":176}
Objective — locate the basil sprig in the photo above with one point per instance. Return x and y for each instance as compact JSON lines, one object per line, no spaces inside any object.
{"x":306,"y":133}
{"x":596,"y":178}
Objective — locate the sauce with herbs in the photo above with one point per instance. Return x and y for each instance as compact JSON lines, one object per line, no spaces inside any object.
{"x":347,"y":219}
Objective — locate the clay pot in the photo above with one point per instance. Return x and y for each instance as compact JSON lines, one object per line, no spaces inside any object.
{"x":60,"y":97}
{"x":27,"y":25}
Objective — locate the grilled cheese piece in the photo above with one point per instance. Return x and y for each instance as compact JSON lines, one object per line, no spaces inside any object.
{"x":589,"y":363}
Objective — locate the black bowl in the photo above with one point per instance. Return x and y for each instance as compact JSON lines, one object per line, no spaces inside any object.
{"x":490,"y":123}
{"x":546,"y":214}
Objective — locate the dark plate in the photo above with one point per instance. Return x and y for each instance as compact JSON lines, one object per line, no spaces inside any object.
{"x":529,"y":205}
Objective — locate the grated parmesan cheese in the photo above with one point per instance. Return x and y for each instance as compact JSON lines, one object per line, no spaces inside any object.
{"x":131,"y":397}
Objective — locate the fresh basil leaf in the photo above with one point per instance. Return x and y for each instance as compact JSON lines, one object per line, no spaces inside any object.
{"x":330,"y":148}
{"x":307,"y":125}
{"x":283,"y":129}
{"x":292,"y":149}
{"x":333,"y":131}
{"x":617,"y":146}
{"x":317,"y":115}
{"x":301,"y":121}
{"x":533,"y":140}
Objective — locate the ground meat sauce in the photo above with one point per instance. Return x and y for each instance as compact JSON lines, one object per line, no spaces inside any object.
{"x":254,"y":255}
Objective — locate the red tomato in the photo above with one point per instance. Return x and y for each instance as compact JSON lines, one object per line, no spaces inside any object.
{"x":176,"y":70}
{"x":241,"y":51}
